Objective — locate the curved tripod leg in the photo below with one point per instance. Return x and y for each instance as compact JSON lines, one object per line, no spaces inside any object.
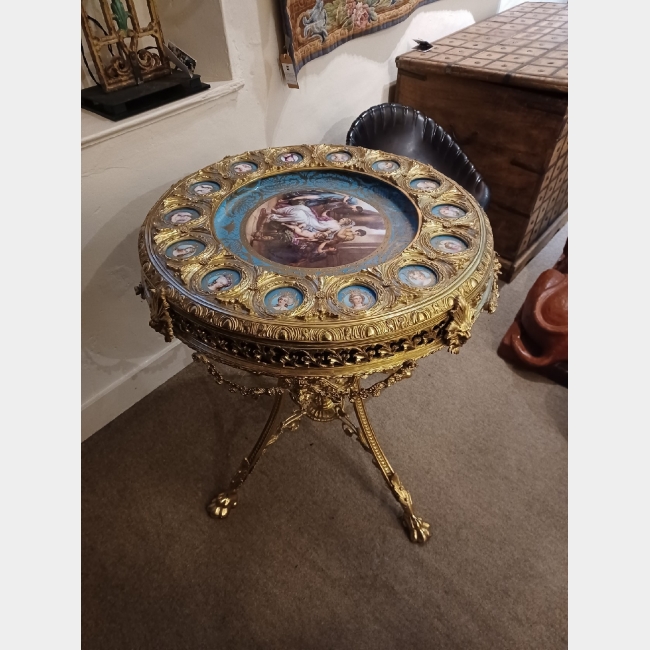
{"x":417,"y":529}
{"x":225,"y":501}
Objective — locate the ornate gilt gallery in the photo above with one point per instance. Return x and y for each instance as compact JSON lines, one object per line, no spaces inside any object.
{"x":325,"y":240}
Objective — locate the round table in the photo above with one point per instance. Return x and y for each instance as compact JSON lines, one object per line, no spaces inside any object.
{"x":318,"y":266}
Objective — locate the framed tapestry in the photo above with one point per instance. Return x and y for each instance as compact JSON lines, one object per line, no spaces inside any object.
{"x":315,"y":27}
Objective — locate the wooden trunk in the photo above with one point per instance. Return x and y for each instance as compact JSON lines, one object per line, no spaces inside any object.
{"x":499,"y":88}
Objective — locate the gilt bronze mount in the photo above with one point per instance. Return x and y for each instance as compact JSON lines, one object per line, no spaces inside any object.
{"x":317,"y":266}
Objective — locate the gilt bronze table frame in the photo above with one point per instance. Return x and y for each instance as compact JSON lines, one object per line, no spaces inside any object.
{"x":319,"y":353}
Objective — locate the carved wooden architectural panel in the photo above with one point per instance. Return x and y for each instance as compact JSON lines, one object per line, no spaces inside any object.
{"x":124,"y":52}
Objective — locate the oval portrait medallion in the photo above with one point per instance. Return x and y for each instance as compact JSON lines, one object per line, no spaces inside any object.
{"x":181,"y":216}
{"x":357,"y":297}
{"x":448,"y":244}
{"x":447,"y":211}
{"x":220,"y":280}
{"x":424,"y":184}
{"x":289,"y":157}
{"x":385,"y":166}
{"x":338,"y":156}
{"x":183,"y":250}
{"x":204,"y":187}
{"x":282,"y":299}
{"x":417,"y":275}
{"x":243,"y":167}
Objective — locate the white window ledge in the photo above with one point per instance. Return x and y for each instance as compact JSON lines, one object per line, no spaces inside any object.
{"x":96,"y":129}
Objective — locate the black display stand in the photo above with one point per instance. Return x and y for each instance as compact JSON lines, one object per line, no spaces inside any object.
{"x":127,"y":102}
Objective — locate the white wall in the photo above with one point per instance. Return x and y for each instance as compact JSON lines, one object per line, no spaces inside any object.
{"x":122,"y":358}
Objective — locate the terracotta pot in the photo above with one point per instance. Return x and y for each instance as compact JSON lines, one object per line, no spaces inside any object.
{"x":538,"y":338}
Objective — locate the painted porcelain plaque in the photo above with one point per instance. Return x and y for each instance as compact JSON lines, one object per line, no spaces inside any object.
{"x":338,"y":157}
{"x":424,"y":184}
{"x":416,"y":275}
{"x":289,"y":157}
{"x":185,"y":249}
{"x":220,"y":280}
{"x":205,"y":187}
{"x":181,"y":216}
{"x":385,"y":166}
{"x":243,"y":167}
{"x":314,"y":221}
{"x":282,"y":299}
{"x":357,"y":297}
{"x":448,"y":211}
{"x":448,"y":244}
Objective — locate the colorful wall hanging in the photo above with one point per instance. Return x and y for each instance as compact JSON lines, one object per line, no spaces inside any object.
{"x":315,"y":27}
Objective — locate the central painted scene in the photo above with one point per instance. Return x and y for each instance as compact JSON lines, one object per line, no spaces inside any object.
{"x":317,"y":219}
{"x":316,"y":228}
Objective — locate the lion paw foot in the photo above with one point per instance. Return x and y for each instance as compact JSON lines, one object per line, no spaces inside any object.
{"x":417,"y":529}
{"x":222,"y":504}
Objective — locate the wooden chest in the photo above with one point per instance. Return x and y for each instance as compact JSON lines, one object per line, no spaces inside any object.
{"x":499,"y":88}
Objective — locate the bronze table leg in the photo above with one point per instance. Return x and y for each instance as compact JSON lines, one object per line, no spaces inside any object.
{"x":321,"y":400}
{"x":417,"y":529}
{"x":225,"y":501}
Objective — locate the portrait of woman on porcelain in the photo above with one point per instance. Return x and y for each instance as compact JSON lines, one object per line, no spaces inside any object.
{"x":282,"y":299}
{"x":244,"y":167}
{"x":417,"y":276}
{"x":284,"y":302}
{"x":424,"y":184}
{"x":219,"y":282}
{"x":448,"y":211}
{"x":182,"y":216}
{"x":358,"y":301}
{"x":448,"y":244}
{"x":204,"y":188}
{"x":339,"y":156}
{"x":184,"y":250}
{"x":357,"y":297}
{"x":290,"y":157}
{"x":385,"y":166}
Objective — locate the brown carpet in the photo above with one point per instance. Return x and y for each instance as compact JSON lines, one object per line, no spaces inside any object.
{"x":314,"y":556}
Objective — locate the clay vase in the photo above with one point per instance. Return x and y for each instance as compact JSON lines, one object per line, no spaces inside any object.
{"x":538,"y":338}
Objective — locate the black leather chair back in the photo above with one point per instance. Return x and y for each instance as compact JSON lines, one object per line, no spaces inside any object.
{"x":404,"y":131}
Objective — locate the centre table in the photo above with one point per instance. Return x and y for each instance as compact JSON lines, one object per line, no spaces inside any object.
{"x":318,"y":266}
